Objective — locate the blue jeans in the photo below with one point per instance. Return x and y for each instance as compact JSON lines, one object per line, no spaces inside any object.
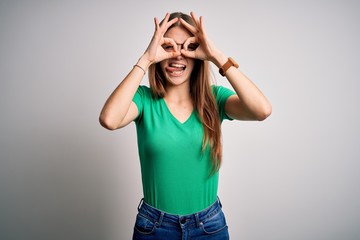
{"x":153,"y":224}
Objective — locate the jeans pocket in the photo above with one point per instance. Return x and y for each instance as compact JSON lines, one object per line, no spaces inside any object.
{"x":144,"y":225}
{"x":214,"y":224}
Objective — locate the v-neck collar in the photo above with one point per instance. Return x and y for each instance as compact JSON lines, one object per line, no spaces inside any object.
{"x":172,"y":115}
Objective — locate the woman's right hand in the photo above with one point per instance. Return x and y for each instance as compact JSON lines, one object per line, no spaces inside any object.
{"x":155,"y":51}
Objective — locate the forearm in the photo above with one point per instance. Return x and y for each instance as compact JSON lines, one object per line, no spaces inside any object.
{"x":117,"y":105}
{"x":251,"y":104}
{"x":117,"y":111}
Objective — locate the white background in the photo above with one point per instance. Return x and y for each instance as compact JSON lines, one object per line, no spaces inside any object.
{"x":294,"y":176}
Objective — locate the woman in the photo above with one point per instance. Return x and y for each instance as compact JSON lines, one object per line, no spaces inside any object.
{"x":178,"y":128}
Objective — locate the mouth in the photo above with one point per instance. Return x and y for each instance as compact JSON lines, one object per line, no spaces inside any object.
{"x":176,"y":69}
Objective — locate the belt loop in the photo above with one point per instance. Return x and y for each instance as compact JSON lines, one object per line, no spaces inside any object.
{"x":218,"y":199}
{"x":161,"y":218}
{"x":141,"y":202}
{"x":197,"y":220}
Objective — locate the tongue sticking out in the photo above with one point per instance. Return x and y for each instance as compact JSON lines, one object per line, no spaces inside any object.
{"x":176,"y":67}
{"x":173,"y":69}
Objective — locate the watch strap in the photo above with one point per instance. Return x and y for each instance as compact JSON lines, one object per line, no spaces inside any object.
{"x":230,"y":62}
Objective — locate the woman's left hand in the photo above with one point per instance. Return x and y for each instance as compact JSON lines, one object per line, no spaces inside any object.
{"x":205,"y":49}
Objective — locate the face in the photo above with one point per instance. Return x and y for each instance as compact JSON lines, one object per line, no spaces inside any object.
{"x":177,"y":70}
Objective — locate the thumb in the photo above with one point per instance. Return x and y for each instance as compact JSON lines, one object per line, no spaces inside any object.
{"x":189,"y":54}
{"x":172,"y":55}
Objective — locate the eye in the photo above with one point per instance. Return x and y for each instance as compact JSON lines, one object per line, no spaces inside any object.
{"x":192,"y":46}
{"x":168,"y":48}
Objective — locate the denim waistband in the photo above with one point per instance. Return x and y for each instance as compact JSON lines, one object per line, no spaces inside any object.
{"x":159,"y":216}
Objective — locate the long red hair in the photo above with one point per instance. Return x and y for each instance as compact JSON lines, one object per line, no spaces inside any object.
{"x":202,"y":97}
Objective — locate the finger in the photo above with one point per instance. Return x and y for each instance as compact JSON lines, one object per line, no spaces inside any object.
{"x":201,"y":23}
{"x":171,"y":42}
{"x":189,"y":54}
{"x":188,"y":41}
{"x":169,"y":24}
{"x":168,"y":55}
{"x":157,"y":26}
{"x":165,"y":20}
{"x":188,"y":26}
{"x":174,"y":54}
{"x":202,"y":28}
{"x":194,"y":18}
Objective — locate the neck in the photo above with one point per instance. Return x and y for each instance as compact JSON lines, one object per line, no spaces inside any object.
{"x":180,"y":93}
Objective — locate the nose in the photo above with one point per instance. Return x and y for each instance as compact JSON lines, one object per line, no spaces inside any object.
{"x":179,"y":46}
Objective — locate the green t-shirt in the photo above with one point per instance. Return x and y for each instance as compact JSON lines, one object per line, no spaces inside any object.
{"x":175,"y":171}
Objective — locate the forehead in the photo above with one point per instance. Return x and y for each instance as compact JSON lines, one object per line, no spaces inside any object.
{"x":178,"y":33}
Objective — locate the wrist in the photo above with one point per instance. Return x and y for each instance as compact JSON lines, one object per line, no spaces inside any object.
{"x":144,"y":62}
{"x":230,"y":63}
{"x":219,"y":59}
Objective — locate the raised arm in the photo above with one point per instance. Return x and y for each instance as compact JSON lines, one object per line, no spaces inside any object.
{"x":249,"y":103}
{"x":119,"y":109}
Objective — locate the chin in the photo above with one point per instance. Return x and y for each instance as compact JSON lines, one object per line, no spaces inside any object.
{"x":177,"y":79}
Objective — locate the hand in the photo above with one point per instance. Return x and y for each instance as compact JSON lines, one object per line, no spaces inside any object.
{"x":155,"y":52}
{"x":206,"y":49}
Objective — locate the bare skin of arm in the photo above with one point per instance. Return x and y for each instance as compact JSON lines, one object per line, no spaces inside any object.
{"x":249,"y":103}
{"x":119,"y":110}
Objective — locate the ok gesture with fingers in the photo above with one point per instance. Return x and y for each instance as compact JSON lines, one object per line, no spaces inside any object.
{"x":206,"y":50}
{"x":155,"y":52}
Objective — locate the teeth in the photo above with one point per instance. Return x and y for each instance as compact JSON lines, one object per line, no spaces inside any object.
{"x":177,"y":65}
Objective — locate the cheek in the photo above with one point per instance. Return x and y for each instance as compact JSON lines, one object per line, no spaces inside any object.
{"x":162,"y":66}
{"x":190,"y":65}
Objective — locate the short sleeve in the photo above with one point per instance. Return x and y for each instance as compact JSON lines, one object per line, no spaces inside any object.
{"x":221,"y":96}
{"x":139,"y":99}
